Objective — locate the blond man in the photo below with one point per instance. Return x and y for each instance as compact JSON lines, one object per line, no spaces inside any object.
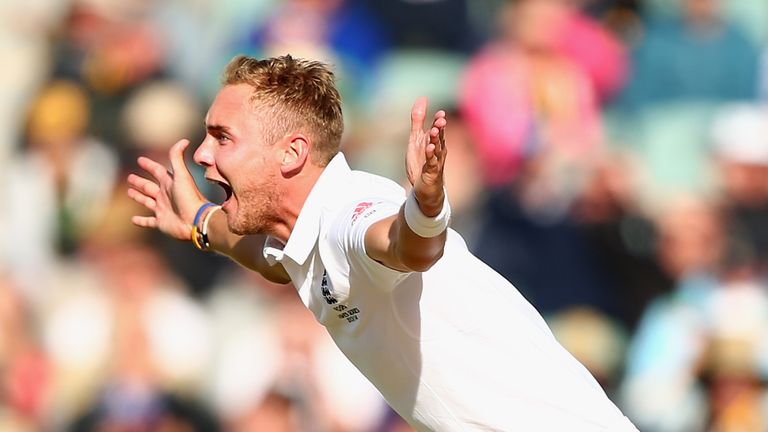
{"x":451,"y":345}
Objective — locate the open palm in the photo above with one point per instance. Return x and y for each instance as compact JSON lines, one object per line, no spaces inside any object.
{"x":173,"y":198}
{"x":425,"y":158}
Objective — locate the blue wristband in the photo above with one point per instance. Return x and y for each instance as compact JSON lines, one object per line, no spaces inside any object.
{"x":200,"y":212}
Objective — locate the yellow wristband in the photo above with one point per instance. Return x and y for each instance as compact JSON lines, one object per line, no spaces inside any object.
{"x":196,"y":238}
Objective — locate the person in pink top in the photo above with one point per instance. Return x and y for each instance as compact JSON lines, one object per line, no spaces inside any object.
{"x":522,"y":95}
{"x":602,"y":56}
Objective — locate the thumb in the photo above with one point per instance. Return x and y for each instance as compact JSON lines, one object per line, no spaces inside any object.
{"x":176,"y":155}
{"x":418,"y":113}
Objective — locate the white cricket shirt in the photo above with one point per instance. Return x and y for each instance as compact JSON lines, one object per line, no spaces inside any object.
{"x":455,"y":348}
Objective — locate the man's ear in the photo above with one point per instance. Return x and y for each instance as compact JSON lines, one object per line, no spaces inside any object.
{"x":294,"y":154}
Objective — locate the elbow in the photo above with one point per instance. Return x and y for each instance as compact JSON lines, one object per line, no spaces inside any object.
{"x":417,"y":253}
{"x":422,"y":262}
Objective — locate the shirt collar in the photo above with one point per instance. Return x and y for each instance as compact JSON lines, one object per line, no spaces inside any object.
{"x":307,"y":228}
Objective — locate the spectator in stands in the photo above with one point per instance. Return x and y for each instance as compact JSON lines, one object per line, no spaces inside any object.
{"x":57,"y":187}
{"x":547,"y":100}
{"x":740,"y":142}
{"x":340,"y":32}
{"x":697,"y":56}
{"x":699,"y":354}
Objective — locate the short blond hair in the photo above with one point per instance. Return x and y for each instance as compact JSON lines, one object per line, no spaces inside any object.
{"x":294,"y":95}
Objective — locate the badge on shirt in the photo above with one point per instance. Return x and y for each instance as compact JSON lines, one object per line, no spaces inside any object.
{"x":326,"y":291}
{"x":350,"y":314}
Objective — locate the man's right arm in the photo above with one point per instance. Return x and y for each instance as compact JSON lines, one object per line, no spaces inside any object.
{"x":245,"y":250}
{"x":173,"y":199}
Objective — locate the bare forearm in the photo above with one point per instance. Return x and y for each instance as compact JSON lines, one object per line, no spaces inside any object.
{"x":245,"y":250}
{"x":415,"y":252}
{"x":393,"y":243}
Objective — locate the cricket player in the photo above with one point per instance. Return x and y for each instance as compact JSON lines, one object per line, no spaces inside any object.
{"x":449,"y":343}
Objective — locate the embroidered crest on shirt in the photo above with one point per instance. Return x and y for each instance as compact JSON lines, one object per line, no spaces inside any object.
{"x":326,"y":291}
{"x":345,"y":312}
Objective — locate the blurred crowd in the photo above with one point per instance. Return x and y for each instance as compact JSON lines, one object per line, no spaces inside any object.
{"x":609,"y":157}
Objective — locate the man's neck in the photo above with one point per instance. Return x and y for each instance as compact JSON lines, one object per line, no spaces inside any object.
{"x":294,"y":195}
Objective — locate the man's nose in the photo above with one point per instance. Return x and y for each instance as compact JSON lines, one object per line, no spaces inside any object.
{"x":203,"y":155}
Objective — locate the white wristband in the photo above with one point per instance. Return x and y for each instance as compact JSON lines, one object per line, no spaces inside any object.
{"x":423,"y":225}
{"x":208,"y":219}
{"x":204,"y":241}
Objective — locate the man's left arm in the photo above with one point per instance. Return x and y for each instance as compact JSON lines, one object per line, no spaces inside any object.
{"x":414,"y":238}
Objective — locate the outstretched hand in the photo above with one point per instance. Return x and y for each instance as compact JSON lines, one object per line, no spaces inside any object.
{"x":171,"y":196}
{"x":425,"y":158}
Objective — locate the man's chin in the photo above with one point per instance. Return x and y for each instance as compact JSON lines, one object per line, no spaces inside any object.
{"x":237,"y":231}
{"x":240,"y":227}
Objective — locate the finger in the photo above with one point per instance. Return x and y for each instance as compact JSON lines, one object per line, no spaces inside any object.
{"x":437,"y":138}
{"x":431,"y":157}
{"x":158,"y":171}
{"x":440,"y":122}
{"x":145,"y":186}
{"x":418,"y":114}
{"x":145,"y":221}
{"x":176,"y":155}
{"x":142,"y":199}
{"x":441,"y":139}
{"x":439,"y":151}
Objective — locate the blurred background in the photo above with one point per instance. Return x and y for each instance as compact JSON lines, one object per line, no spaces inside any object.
{"x":609,"y":157}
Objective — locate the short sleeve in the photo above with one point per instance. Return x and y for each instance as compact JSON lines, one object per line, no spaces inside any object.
{"x":349,"y":231}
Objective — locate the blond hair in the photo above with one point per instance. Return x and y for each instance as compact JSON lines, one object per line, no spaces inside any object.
{"x":293,"y":95}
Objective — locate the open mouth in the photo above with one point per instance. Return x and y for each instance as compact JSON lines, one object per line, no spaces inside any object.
{"x":225,"y":187}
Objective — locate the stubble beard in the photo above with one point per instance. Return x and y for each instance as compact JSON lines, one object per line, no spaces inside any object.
{"x":256,"y":209}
